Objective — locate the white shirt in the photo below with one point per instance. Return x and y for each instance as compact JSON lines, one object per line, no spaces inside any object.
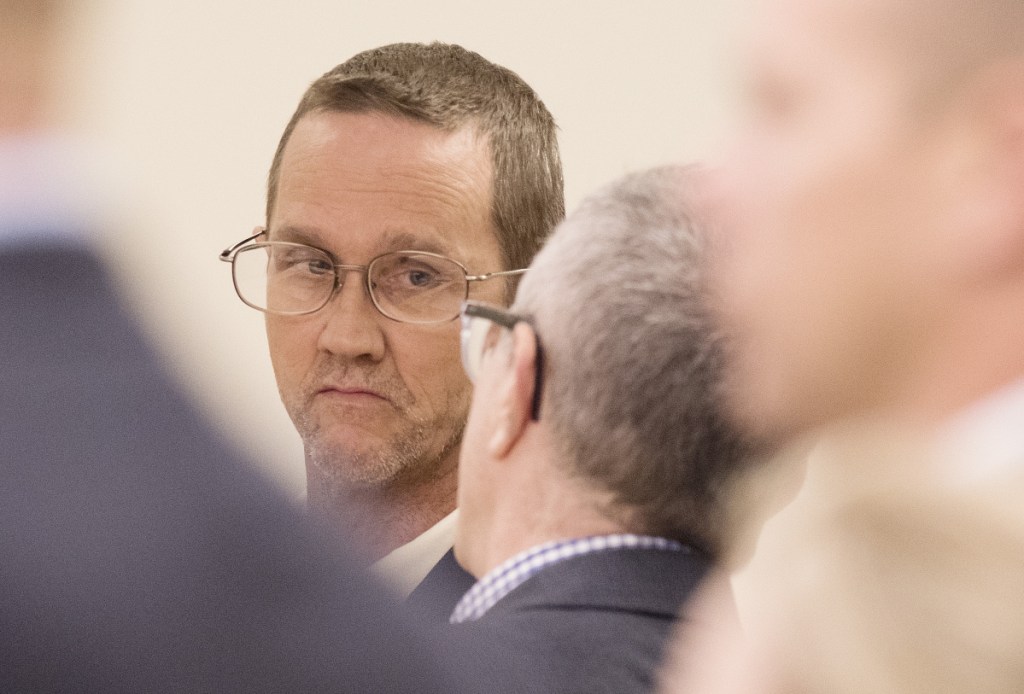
{"x":406,"y":566}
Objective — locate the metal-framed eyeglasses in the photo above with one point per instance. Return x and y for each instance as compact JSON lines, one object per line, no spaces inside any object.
{"x":294,"y":279}
{"x":481,"y":324}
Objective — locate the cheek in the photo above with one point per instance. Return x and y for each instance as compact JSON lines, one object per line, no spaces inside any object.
{"x":292,"y":345}
{"x":752,"y":269}
{"x":806,"y":251}
{"x":811,"y":224}
{"x":473,"y":442}
{"x":428,"y":361}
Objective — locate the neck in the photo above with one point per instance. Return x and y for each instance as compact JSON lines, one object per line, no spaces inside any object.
{"x":381,"y":518}
{"x":530,"y":510}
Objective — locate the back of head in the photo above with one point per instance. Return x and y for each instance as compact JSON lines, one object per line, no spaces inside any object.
{"x":632,"y":362}
{"x":450,"y":87}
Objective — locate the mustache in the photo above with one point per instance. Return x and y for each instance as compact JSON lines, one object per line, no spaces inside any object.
{"x":331,"y":373}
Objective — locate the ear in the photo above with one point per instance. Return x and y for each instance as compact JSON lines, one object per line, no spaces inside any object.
{"x":515,"y":393}
{"x":989,"y":186}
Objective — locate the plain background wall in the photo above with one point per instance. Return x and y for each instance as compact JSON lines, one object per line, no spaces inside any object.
{"x":187,"y":100}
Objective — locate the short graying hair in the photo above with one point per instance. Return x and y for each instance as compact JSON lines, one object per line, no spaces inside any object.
{"x":633,"y":364}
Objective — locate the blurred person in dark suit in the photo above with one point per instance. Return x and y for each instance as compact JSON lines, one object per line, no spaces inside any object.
{"x":591,"y":482}
{"x":139,"y":554}
{"x":409,"y":177}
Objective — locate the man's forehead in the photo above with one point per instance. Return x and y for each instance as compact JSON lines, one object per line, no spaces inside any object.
{"x":372,"y":139}
{"x":339,"y":159}
{"x":391,"y":238}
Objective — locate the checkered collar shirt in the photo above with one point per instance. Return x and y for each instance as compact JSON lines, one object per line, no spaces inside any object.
{"x":508,"y":576}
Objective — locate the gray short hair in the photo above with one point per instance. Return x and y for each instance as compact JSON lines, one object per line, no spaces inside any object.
{"x":632,"y":360}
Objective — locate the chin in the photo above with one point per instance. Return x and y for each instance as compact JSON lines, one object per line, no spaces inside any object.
{"x":356,"y":468}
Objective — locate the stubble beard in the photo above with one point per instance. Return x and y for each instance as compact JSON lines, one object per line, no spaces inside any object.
{"x":405,"y":456}
{"x":408,"y":456}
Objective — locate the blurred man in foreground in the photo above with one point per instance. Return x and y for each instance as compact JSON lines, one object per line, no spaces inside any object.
{"x":592,"y":476}
{"x":409,"y":178}
{"x":139,"y":554}
{"x":875,"y":259}
{"x":872,"y":275}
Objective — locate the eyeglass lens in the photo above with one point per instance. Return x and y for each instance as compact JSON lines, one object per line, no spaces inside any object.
{"x":417,"y":287}
{"x":289,"y":278}
{"x":478,"y":335}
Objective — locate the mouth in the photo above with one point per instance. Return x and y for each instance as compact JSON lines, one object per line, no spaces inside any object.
{"x":351,"y":393}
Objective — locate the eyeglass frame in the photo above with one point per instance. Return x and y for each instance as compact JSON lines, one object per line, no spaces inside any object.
{"x":508,"y":320}
{"x":229,"y":254}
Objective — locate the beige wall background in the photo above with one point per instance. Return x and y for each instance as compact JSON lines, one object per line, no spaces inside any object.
{"x":187,"y":99}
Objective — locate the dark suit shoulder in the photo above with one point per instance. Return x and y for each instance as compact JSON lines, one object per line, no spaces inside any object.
{"x":649,"y":581}
{"x":594,"y":623}
{"x":442,"y":588}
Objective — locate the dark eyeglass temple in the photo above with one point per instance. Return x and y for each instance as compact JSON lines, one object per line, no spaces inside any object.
{"x":538,"y":378}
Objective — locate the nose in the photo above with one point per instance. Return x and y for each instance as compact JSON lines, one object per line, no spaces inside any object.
{"x":352,"y":324}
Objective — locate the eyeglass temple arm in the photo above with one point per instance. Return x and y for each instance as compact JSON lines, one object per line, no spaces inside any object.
{"x":538,"y":380}
{"x":496,"y":315}
{"x":508,"y":320}
{"x":489,"y":275}
{"x":226,"y":254}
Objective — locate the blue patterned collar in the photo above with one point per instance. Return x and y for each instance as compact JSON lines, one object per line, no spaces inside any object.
{"x":512,"y":573}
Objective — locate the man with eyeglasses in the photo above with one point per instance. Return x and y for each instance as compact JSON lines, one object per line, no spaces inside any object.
{"x":410,"y":178}
{"x":591,"y":482}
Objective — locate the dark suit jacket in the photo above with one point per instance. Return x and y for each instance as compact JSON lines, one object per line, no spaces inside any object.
{"x":593,"y":623}
{"x":442,"y":588}
{"x":137,"y":553}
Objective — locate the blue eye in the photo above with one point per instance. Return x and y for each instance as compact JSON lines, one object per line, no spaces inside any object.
{"x":409,"y":274}
{"x":319,"y":266}
{"x":420,"y":277}
{"x":300,"y":263}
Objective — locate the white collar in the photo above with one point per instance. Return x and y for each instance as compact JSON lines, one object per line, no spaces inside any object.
{"x":405,"y":567}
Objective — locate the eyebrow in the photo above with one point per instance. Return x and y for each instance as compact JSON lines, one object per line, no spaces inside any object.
{"x":294,"y":234}
{"x":401,"y":240}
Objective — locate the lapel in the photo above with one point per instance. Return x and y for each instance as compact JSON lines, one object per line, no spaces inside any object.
{"x":436,"y":596}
